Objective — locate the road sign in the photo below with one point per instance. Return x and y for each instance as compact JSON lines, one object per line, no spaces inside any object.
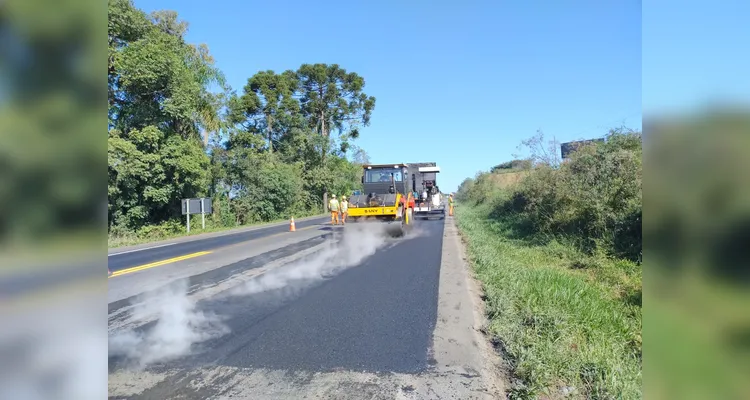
{"x":194,"y":206}
{"x":200,"y":206}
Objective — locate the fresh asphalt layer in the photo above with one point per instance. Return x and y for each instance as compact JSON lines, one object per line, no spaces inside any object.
{"x":378,"y":316}
{"x":134,"y":258}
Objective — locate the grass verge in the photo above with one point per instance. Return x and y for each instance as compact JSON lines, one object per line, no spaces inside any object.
{"x":568,"y":324}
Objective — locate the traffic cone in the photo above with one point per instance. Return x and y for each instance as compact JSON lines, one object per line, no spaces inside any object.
{"x":292,"y":228}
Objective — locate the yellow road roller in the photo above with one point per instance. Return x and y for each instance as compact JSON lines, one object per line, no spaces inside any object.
{"x":384,"y":197}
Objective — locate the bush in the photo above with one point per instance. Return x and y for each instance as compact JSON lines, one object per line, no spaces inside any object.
{"x":593,"y":199}
{"x":562,"y":309}
{"x":512,"y":165}
{"x":164,"y":230}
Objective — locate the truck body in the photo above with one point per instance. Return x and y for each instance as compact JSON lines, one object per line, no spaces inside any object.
{"x":428,"y":198}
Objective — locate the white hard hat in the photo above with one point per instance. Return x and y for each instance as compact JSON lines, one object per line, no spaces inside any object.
{"x":334,"y":196}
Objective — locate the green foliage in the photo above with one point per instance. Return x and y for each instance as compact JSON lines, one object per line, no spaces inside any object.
{"x":267,"y":105}
{"x":593,"y":199}
{"x":512,"y":165}
{"x":568,"y":322}
{"x":270,"y":154}
{"x":50,"y":118}
{"x":558,"y":254}
{"x":332,"y":98}
{"x":266,"y":188}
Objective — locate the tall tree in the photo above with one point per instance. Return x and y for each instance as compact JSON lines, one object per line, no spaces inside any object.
{"x":360,"y":156}
{"x":268,"y":104}
{"x":159,"y":106}
{"x":333,"y":98}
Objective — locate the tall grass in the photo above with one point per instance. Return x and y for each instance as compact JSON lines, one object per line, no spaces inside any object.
{"x":559,"y":258}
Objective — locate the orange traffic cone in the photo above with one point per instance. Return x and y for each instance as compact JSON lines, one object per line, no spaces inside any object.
{"x":292,"y":228}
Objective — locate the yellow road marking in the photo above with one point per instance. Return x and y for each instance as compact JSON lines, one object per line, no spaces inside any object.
{"x":158,"y":263}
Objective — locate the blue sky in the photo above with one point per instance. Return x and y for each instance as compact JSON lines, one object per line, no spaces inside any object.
{"x":458,"y":83}
{"x":694,"y":54}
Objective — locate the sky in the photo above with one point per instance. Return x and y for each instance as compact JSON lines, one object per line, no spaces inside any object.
{"x":457,"y":83}
{"x":694,"y":55}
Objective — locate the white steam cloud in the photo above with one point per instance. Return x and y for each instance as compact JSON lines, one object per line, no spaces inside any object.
{"x":179,"y":325}
{"x":358,"y":242}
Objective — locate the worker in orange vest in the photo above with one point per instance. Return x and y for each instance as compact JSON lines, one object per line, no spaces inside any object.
{"x":344,"y":207}
{"x":334,"y":207}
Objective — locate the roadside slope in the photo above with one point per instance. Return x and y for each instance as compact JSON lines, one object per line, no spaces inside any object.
{"x":569,"y":325}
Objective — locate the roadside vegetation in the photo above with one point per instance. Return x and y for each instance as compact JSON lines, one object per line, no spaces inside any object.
{"x":559,"y":252}
{"x":269,"y":151}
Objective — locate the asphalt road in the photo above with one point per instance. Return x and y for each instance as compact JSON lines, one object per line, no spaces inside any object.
{"x":133,"y":258}
{"x":377,"y":316}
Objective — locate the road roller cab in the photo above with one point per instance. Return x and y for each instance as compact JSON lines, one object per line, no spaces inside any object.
{"x":384,"y":195}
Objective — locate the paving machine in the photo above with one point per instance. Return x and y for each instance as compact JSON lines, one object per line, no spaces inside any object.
{"x":384,"y":197}
{"x":429,"y":202}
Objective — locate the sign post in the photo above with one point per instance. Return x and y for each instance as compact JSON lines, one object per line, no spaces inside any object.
{"x":203,"y":215}
{"x":188,"y":216}
{"x":200,"y":206}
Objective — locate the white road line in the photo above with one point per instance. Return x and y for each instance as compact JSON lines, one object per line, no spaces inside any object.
{"x":145,"y":248}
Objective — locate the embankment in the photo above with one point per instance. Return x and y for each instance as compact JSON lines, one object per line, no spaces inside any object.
{"x":558,"y":254}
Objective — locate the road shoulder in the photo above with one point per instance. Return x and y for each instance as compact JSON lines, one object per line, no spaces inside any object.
{"x":459,"y":346}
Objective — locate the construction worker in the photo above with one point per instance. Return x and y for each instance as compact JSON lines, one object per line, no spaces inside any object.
{"x":334,"y":207}
{"x":450,"y":204}
{"x":344,"y":209}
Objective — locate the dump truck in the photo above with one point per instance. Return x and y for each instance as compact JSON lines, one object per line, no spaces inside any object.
{"x":385,"y":197}
{"x":428,"y":198}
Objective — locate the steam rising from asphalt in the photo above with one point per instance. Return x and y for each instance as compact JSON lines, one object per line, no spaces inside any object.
{"x":178,"y":326}
{"x":358,"y":242}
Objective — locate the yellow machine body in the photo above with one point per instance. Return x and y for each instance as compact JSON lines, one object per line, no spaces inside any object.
{"x":384,"y":196}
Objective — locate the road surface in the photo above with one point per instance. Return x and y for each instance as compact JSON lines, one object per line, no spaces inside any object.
{"x":324,"y":312}
{"x":122,"y":259}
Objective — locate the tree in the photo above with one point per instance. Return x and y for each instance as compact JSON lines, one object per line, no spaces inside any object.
{"x":464,"y":190}
{"x":160,"y":107}
{"x":360,"y":156}
{"x":262,"y":154}
{"x":269,"y":104}
{"x":542,"y":151}
{"x":332,"y":98}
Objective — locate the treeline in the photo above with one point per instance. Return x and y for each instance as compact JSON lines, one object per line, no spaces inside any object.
{"x":592,"y":200}
{"x":177,"y":130}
